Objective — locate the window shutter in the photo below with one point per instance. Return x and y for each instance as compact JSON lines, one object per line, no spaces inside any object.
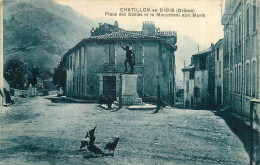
{"x":82,"y":56}
{"x":140,"y":55}
{"x":112,"y":54}
{"x":135,"y":50}
{"x":74,"y":60}
{"x":106,"y":54}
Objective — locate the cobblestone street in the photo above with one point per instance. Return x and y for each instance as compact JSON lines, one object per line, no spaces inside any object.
{"x":36,"y":131}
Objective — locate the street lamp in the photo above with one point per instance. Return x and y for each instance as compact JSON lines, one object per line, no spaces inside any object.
{"x":158,"y":95}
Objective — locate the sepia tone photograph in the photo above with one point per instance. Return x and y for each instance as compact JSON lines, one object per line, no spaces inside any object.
{"x":140,"y":82}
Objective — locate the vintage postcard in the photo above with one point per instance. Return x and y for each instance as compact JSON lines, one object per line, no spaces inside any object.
{"x":129,"y":82}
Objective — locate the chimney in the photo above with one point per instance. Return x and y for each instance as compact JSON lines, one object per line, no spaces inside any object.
{"x":92,"y":32}
{"x":212,"y":44}
{"x":148,"y":28}
{"x":116,"y":24}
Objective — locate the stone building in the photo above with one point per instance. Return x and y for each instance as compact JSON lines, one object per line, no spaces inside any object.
{"x":241,"y":54}
{"x":218,"y":51}
{"x":95,"y":64}
{"x":105,"y":29}
{"x":199,"y":80}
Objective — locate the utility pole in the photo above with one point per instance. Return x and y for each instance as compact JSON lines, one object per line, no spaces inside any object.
{"x":221,"y":8}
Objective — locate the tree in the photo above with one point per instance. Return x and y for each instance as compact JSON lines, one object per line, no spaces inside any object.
{"x":15,"y":73}
{"x":46,"y":74}
{"x":59,"y":76}
{"x":32,"y":75}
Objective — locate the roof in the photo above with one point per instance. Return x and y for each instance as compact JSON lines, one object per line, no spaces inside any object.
{"x":203,"y":52}
{"x":220,"y":42}
{"x":189,"y":67}
{"x":123,"y":35}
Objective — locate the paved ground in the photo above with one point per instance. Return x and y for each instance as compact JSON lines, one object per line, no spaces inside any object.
{"x":37,"y":131}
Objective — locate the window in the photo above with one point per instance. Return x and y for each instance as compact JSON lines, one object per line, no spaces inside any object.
{"x":74,"y":61}
{"x":235,"y":79}
{"x":202,"y":62}
{"x":171,"y":64}
{"x":254,"y":79}
{"x":217,"y":53}
{"x":236,"y":33}
{"x":192,"y":72}
{"x":110,"y":54}
{"x":70,"y":62}
{"x":164,"y":67}
{"x":231,"y":40}
{"x":247,"y":21}
{"x":82,"y":57}
{"x":77,"y":85}
{"x":240,"y":30}
{"x":73,"y":84}
{"x":254,"y":16}
{"x":82,"y":85}
{"x":247,"y":79}
{"x":78,"y":58}
{"x":170,"y":87}
{"x":231,"y":81}
{"x":139,"y":54}
{"x":227,"y":42}
{"x":239,"y":79}
{"x":219,"y":69}
{"x":85,"y":56}
{"x":187,"y":86}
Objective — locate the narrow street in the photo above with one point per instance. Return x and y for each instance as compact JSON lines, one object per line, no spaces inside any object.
{"x":36,"y":131}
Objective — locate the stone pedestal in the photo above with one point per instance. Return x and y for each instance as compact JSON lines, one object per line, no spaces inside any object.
{"x":129,"y":90}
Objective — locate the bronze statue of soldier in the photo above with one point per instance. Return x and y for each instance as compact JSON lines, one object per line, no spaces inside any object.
{"x":130,"y":59}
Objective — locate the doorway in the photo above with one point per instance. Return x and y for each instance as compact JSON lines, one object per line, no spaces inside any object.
{"x":109,"y":86}
{"x":219,"y":96}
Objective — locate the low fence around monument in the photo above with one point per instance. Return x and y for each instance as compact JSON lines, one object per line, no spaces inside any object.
{"x":255,"y":131}
{"x":149,"y":99}
{"x":131,"y":101}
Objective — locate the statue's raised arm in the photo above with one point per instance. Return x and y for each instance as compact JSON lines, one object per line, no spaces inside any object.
{"x":122,"y":46}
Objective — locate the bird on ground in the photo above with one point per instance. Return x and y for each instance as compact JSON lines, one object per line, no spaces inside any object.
{"x":92,"y":140}
{"x":85,"y":141}
{"x":112,"y":145}
{"x":94,"y":149}
{"x":91,"y":136}
{"x":92,"y":131}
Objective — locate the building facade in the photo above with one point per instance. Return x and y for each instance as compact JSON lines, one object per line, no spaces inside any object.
{"x":199,"y":80}
{"x":218,"y":52}
{"x":94,"y":65}
{"x":241,"y":54}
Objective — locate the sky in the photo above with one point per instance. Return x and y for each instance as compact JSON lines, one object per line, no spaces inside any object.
{"x":204,"y":30}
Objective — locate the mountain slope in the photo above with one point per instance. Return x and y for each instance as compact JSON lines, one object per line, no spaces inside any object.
{"x":38,"y":36}
{"x":40,"y":32}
